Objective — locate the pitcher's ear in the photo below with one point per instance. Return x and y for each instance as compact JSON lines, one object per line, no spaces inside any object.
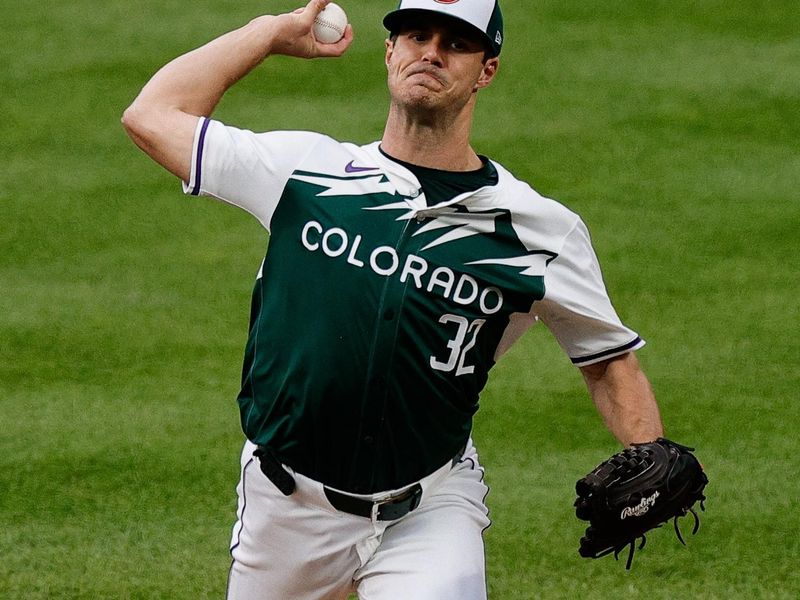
{"x":490,"y":68}
{"x":389,"y":49}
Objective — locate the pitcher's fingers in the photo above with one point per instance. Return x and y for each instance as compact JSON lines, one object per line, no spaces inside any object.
{"x":337,"y":48}
{"x":311,"y":10}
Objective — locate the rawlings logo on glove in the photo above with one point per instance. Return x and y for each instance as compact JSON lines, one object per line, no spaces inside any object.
{"x":639,"y":509}
{"x":637,"y":490}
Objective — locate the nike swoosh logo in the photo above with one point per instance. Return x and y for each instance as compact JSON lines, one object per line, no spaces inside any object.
{"x":351,"y":168}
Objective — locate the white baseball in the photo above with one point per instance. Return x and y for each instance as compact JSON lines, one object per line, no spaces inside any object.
{"x":330,"y":24}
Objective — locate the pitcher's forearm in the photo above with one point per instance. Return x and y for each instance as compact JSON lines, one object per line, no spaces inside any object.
{"x":625,"y":400}
{"x":163,"y":117}
{"x":195,"y":82}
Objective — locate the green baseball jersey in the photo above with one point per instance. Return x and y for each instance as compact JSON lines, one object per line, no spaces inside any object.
{"x":376,"y":315}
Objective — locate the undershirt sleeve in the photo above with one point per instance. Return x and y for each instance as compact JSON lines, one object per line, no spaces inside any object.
{"x":576,"y":306}
{"x":243,"y":168}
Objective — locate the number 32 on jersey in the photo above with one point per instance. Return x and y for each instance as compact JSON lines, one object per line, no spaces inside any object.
{"x":457,"y":346}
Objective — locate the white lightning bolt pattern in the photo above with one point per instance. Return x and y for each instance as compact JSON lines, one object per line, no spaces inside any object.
{"x":402,"y":205}
{"x":534,"y":264}
{"x":357,"y":186}
{"x":476,"y":224}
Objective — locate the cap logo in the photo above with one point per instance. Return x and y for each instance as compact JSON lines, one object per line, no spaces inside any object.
{"x":498,"y":39}
{"x":446,"y":1}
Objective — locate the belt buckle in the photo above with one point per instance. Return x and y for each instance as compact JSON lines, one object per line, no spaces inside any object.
{"x":400,"y":506}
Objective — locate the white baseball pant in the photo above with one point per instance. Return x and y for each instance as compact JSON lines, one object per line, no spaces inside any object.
{"x":299,"y":547}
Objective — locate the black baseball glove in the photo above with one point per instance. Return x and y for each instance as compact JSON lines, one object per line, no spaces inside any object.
{"x":637,"y":490}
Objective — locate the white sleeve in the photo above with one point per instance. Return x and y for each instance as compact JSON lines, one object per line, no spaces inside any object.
{"x":576,"y":306}
{"x":246,"y":169}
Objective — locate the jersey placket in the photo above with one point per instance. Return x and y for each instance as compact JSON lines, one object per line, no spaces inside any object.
{"x":380,"y":376}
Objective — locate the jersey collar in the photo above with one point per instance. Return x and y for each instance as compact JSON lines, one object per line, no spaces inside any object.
{"x":408,"y":187}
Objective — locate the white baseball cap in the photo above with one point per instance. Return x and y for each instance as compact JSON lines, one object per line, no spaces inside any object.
{"x":483,"y":15}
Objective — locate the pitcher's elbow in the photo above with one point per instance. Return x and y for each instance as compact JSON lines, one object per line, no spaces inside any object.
{"x":140,"y":124}
{"x":132,"y":121}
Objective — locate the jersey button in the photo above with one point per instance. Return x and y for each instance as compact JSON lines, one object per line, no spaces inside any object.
{"x":368,"y":440}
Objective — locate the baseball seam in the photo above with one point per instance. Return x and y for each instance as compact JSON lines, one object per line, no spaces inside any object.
{"x":329,"y":25}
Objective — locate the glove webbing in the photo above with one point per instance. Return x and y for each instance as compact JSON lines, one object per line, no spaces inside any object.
{"x":631,"y":461}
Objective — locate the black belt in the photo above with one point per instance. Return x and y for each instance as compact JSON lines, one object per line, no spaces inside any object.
{"x":388,"y":510}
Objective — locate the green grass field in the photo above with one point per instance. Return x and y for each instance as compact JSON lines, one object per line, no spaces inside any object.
{"x":672,"y":127}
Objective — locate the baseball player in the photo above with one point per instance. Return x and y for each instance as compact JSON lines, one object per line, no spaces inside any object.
{"x":397,"y":274}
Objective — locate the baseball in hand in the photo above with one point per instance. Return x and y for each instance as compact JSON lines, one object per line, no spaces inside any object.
{"x":330,"y":24}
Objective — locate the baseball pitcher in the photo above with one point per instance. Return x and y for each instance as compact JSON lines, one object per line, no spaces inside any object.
{"x":397,"y":274}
